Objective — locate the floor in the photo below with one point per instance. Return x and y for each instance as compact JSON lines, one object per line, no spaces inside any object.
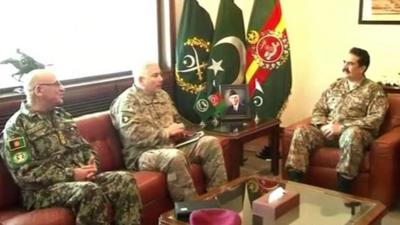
{"x":254,"y":164}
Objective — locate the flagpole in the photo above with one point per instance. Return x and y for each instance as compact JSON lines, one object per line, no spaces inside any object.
{"x":256,"y":119}
{"x":215,"y":122}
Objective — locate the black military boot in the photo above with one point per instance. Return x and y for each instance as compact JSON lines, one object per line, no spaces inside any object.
{"x":343,"y":184}
{"x":266,"y":153}
{"x":295,"y":175}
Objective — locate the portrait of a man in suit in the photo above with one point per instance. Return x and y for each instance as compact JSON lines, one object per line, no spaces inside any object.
{"x":236,"y":106}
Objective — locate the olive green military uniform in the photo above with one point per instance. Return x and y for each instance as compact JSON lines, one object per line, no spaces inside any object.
{"x":360,"y":111}
{"x":41,"y":152}
{"x":141,"y":120}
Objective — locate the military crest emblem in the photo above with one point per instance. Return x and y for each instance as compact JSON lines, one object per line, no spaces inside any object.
{"x":20,"y":157}
{"x":191,"y":67}
{"x":270,"y":49}
{"x":202,"y":105}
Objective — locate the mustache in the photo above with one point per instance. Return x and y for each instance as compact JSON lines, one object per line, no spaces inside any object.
{"x":346,"y":70}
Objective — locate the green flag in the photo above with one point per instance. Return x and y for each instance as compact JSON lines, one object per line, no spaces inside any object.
{"x":258,"y":100}
{"x":227,"y":58}
{"x":203,"y":106}
{"x":268,"y":72}
{"x":192,"y":51}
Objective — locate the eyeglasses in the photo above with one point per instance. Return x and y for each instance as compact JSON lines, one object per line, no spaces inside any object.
{"x":55,"y":83}
{"x":156,"y":74}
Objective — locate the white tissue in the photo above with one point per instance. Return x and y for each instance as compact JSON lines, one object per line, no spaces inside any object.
{"x":276,"y":194}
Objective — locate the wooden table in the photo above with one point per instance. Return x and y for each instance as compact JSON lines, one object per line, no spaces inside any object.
{"x":316,"y":206}
{"x":238,"y":133}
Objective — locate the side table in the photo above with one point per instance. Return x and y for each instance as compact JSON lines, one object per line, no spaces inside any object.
{"x":239,"y":133}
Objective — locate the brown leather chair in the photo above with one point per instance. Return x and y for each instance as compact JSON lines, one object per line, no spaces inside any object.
{"x":379,"y":171}
{"x":97,"y":129}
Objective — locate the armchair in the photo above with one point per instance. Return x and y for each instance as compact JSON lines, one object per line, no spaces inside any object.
{"x":379,"y":171}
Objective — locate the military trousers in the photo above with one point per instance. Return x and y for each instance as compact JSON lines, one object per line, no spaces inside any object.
{"x":352,"y":142}
{"x":89,"y":199}
{"x":175,"y":164}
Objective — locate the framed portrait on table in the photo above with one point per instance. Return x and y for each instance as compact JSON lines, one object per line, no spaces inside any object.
{"x":379,"y":12}
{"x":236,"y":98}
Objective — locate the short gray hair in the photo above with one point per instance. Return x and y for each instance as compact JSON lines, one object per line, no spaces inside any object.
{"x":31,"y":80}
{"x":142,"y":71}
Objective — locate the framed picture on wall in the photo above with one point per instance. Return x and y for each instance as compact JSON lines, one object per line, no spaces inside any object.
{"x":379,"y":12}
{"x":236,"y":98}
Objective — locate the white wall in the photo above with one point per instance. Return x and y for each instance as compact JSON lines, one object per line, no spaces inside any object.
{"x":320,"y":35}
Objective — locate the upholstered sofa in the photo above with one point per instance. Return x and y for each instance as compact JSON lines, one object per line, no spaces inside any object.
{"x":379,"y":171}
{"x":99,"y":132}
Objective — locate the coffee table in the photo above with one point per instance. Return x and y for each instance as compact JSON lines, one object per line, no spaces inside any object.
{"x":317,"y":205}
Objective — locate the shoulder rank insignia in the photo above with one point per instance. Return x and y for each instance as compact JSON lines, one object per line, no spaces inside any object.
{"x":16,"y":143}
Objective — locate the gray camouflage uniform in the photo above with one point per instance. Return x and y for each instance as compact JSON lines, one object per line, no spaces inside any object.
{"x":41,"y":152}
{"x":359,"y":110}
{"x":141,"y":120}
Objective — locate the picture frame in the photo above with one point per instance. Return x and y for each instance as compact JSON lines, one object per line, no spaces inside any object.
{"x":379,"y":12}
{"x":238,"y":95}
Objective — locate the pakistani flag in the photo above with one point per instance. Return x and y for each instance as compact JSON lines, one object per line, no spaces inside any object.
{"x":258,"y":99}
{"x":227,"y":58}
{"x":268,"y":58}
{"x":192,"y":51}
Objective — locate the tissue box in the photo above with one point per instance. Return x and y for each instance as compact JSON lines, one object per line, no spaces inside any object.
{"x":273,"y":210}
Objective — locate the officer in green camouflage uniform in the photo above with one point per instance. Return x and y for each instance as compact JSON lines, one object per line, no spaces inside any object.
{"x":148,"y":123}
{"x":54,"y":166}
{"x":348,"y":115}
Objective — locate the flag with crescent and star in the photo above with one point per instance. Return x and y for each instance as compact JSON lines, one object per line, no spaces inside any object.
{"x":268,"y":69}
{"x":192,"y":51}
{"x":258,"y":99}
{"x":204,"y":106}
{"x":227,"y":58}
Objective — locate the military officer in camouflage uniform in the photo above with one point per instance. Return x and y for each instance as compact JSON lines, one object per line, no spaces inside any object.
{"x":148,"y":123}
{"x":348,"y":115}
{"x":54,"y":166}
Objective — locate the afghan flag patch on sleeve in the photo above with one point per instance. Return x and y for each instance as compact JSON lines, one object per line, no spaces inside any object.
{"x":16,"y":143}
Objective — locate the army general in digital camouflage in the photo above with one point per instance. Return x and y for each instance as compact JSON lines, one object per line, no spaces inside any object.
{"x":54,"y":166}
{"x":348,"y":115}
{"x":148,"y":123}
